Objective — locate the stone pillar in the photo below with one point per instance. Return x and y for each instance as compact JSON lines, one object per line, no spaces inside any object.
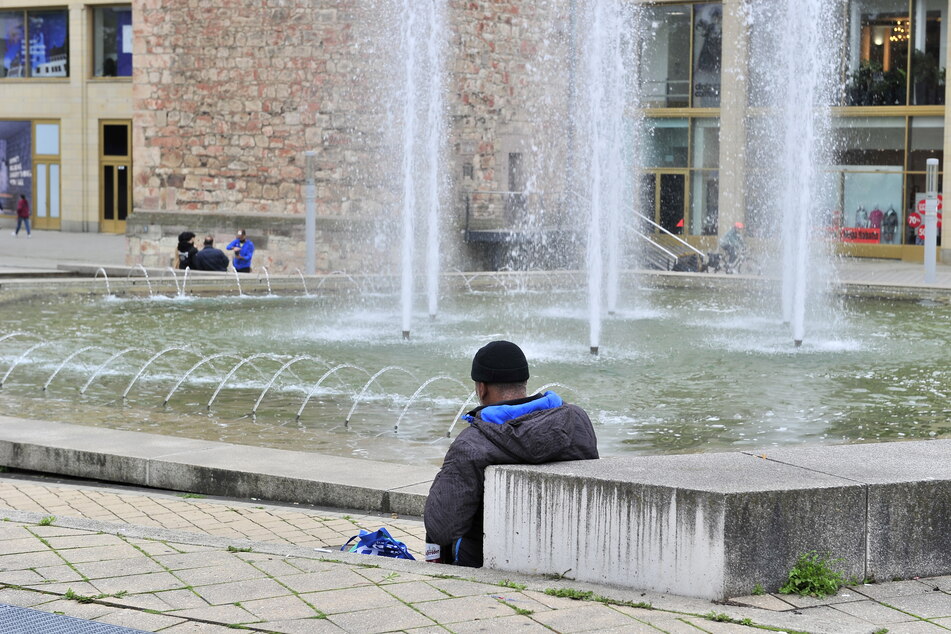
{"x":733,"y":105}
{"x":945,"y":251}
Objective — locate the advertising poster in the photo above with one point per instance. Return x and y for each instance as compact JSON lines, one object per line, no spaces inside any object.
{"x":16,"y":168}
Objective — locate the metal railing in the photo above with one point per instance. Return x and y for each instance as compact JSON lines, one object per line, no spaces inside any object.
{"x":506,"y":213}
{"x":684,"y":243}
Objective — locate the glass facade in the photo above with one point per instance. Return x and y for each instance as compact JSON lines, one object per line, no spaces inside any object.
{"x":680,"y":65}
{"x":112,"y":41}
{"x":665,"y":57}
{"x":707,"y":50}
{"x":893,"y":54}
{"x":34,"y":43}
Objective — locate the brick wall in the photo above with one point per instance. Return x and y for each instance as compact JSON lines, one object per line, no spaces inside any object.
{"x":229,"y":94}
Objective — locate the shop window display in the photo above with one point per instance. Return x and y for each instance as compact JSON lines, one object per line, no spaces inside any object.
{"x":870,"y":171}
{"x":112,"y":42}
{"x":34,"y":43}
{"x":926,"y":135}
{"x":914,"y":219}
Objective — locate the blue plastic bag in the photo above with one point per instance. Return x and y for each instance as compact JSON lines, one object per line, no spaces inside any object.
{"x":377,"y":543}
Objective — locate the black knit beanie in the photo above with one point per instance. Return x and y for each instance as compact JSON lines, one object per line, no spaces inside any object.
{"x":499,"y":362}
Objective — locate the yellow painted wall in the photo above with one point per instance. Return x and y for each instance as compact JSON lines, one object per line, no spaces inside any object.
{"x":78,"y":103}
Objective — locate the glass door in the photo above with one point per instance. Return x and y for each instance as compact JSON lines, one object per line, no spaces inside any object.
{"x":115,"y":182}
{"x":664,"y":199}
{"x":46,"y":175}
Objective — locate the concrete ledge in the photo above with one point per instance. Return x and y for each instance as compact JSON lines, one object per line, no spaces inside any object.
{"x":213,"y":468}
{"x":714,"y":525}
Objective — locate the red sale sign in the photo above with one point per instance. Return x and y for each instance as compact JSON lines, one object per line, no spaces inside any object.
{"x":922,"y":202}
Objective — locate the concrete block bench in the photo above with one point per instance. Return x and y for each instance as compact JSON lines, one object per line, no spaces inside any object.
{"x":714,"y":525}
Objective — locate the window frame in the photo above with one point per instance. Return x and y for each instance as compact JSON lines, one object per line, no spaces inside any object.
{"x":91,"y":70}
{"x":30,"y":76}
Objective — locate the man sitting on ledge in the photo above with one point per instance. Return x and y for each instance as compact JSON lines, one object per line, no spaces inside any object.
{"x":509,"y":428}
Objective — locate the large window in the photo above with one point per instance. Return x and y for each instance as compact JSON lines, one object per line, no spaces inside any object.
{"x":665,"y":57}
{"x":871,"y":166}
{"x":680,"y":156}
{"x":665,"y":143}
{"x":707,"y":46}
{"x":34,"y":43}
{"x":704,"y":177}
{"x":895,"y":52}
{"x":112,"y":41}
{"x":929,"y":49}
{"x":880,"y":183}
{"x":681,"y":56}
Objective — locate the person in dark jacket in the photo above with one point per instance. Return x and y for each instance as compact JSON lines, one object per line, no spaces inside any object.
{"x":508,"y":428}
{"x":186,"y":250}
{"x":210,"y":258}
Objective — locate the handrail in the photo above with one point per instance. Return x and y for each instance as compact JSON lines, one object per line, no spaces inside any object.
{"x":703,"y":256}
{"x":671,"y":254}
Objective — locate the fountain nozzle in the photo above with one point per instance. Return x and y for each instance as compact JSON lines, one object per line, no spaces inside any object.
{"x":798,"y":343}
{"x":594,"y":350}
{"x":406,"y":335}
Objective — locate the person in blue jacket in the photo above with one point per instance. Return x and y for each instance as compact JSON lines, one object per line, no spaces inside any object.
{"x":243,"y":252}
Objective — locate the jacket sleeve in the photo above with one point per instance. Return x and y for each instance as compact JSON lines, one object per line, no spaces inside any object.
{"x":231,"y":244}
{"x":246,"y":251}
{"x":455,"y":496}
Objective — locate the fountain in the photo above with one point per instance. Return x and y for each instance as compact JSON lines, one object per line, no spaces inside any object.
{"x":712,"y":369}
{"x":419,"y":99}
{"x":267,"y":279}
{"x":145,"y":274}
{"x":605,"y":170}
{"x":105,"y":278}
{"x":794,"y":48}
{"x":687,"y":369}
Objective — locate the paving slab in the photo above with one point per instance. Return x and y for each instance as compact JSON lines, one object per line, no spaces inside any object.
{"x":385,"y":619}
{"x":932,"y":605}
{"x":344,"y":600}
{"x":875,"y":613}
{"x":584,"y":619}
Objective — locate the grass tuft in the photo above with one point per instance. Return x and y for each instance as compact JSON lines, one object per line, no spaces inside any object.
{"x":814,"y":576}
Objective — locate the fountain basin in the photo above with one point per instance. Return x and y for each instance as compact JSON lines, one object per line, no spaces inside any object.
{"x":687,"y":369}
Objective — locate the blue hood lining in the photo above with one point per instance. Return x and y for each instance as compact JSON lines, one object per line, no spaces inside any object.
{"x":499,"y":414}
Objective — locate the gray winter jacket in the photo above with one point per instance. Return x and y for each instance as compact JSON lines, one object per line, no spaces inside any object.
{"x":454,"y":506}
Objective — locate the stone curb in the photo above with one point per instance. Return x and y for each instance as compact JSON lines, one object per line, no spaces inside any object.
{"x":213,"y":468}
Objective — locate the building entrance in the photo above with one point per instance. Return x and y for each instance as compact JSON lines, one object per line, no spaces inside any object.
{"x":664,"y":198}
{"x":46,"y":197}
{"x":115,"y":175}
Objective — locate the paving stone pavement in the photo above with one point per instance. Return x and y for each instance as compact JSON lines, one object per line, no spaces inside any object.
{"x":157,"y":561}
{"x":161,"y":562}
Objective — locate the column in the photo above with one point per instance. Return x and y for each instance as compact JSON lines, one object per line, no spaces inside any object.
{"x":733,"y":105}
{"x":945,"y":251}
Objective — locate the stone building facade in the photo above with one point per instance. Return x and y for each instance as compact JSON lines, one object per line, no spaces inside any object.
{"x":228,"y":96}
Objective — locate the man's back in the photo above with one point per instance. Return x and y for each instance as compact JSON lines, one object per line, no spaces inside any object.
{"x":454,"y":505}
{"x":211,"y":259}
